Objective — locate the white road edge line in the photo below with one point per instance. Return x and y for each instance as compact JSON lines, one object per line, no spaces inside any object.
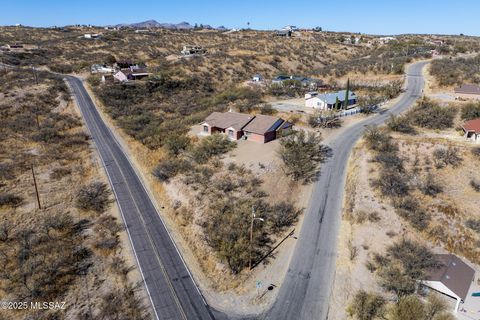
{"x":140,"y":177}
{"x":118,"y":205}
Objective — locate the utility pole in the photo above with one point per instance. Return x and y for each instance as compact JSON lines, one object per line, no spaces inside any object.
{"x":36,"y":188}
{"x":35,"y":74}
{"x":251,"y":237}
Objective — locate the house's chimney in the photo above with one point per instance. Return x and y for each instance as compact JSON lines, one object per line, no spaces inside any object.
{"x":230,"y":109}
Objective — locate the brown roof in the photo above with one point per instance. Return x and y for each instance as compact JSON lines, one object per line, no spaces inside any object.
{"x":468,"y":89}
{"x":453,"y":273}
{"x":472,"y":125}
{"x":262,"y":124}
{"x":228,"y":119}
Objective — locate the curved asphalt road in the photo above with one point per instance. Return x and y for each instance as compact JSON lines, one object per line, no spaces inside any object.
{"x":171,"y":289}
{"x":305,"y":291}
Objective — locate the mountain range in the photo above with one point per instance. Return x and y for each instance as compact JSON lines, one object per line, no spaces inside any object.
{"x":155,"y":24}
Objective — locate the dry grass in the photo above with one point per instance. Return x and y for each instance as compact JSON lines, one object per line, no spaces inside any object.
{"x":63,"y":161}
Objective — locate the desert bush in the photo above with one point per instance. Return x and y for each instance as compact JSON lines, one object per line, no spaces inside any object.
{"x":389,"y":160}
{"x":9,"y":199}
{"x":416,"y":216}
{"x":400,"y":124}
{"x":169,"y":168}
{"x":408,"y":308}
{"x":94,"y":197}
{"x":470,"y":111}
{"x":268,"y":110}
{"x":475,"y":185}
{"x":475,"y":151}
{"x":429,"y":114}
{"x":392,"y":183}
{"x":429,"y":186}
{"x":405,"y":262}
{"x":301,"y":154}
{"x":283,"y":215}
{"x":443,"y":157}
{"x":454,"y":71}
{"x":227,"y":231}
{"x":58,"y":173}
{"x":176,"y":144}
{"x":211,"y":146}
{"x":473,"y":224}
{"x":378,"y":140}
{"x":366,"y":306}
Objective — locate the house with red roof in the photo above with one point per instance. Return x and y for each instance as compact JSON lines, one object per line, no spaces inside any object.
{"x":471,"y":129}
{"x":236,"y":126}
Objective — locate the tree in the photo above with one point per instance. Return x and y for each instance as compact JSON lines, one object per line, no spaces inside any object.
{"x":177,"y":143}
{"x":367,"y":306}
{"x":347,"y":91}
{"x":94,"y":197}
{"x":301,"y":154}
{"x":408,"y":308}
{"x":337,"y":103}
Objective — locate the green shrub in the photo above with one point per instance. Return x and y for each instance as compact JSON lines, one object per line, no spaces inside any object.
{"x":470,"y":111}
{"x":443,"y":157}
{"x":211,"y":146}
{"x":429,"y":114}
{"x":367,"y":306}
{"x":301,"y":154}
{"x":94,"y":197}
{"x":169,"y":168}
{"x":9,"y":199}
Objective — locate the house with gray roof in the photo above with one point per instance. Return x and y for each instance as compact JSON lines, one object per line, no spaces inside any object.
{"x":452,"y":277}
{"x":327,"y":101}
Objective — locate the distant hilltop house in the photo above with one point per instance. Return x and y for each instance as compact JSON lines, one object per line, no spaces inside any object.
{"x":290,"y":28}
{"x":306,"y":82}
{"x":101,"y":68}
{"x":283,"y":33}
{"x":91,"y":35}
{"x":257,"y":78}
{"x":453,"y":277}
{"x":471,"y":130}
{"x":385,"y":40}
{"x":328,"y":101}
{"x":125,"y":75}
{"x":193,"y":50}
{"x":259,"y":128}
{"x":125,"y":64}
{"x":467,"y":91}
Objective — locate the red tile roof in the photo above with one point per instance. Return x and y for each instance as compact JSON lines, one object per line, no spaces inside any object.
{"x":472,"y":125}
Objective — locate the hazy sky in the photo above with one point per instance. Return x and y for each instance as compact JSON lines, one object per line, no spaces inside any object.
{"x":374,"y":16}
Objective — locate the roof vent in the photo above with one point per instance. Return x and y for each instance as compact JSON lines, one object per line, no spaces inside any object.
{"x":454,"y":264}
{"x":447,"y":276}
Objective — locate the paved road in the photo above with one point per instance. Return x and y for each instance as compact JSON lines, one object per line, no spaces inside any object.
{"x":305,"y":292}
{"x":171,"y":289}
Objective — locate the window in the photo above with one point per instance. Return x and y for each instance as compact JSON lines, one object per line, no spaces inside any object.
{"x":205,"y":128}
{"x":230,"y":133}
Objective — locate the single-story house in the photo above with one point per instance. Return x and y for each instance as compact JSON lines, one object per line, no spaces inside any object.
{"x":290,"y":28}
{"x":131,"y":74}
{"x":125,"y":64}
{"x":471,"y":129}
{"x":91,"y":36}
{"x":260,"y":128}
{"x":453,"y":277}
{"x":283,"y":33}
{"x":257,"y":78}
{"x":467,"y":91}
{"x":265,"y":128}
{"x":326,"y":101}
{"x":306,"y":82}
{"x":101,"y":68}
{"x":193,"y":50}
